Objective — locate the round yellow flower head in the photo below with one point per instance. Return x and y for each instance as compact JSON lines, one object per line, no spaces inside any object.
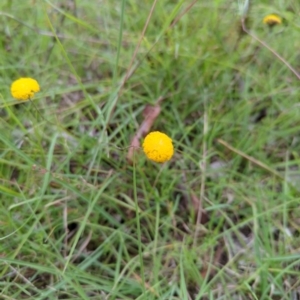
{"x":272,"y":20}
{"x":158,"y":147}
{"x":24,"y":88}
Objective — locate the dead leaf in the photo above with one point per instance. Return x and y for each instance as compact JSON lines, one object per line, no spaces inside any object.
{"x":150,"y":113}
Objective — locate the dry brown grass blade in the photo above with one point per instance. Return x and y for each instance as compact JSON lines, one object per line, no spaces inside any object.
{"x":186,"y":10}
{"x":250,"y":158}
{"x":131,"y":69}
{"x":83,"y":246}
{"x":150,"y":114}
{"x":139,"y":42}
{"x":203,"y":177}
{"x":147,"y":285}
{"x":175,"y":21}
{"x":204,"y":217}
{"x":270,"y":49}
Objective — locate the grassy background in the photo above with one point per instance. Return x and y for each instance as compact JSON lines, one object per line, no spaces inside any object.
{"x":77,"y":221}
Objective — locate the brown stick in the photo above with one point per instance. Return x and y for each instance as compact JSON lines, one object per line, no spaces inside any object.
{"x":270,"y":49}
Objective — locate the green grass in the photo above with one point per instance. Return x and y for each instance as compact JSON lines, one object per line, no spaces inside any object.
{"x":78,"y":221}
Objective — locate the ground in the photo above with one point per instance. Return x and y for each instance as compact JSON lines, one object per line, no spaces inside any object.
{"x":86,"y":215}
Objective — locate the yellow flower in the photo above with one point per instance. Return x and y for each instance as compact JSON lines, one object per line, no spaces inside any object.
{"x":272,"y":20}
{"x":158,"y":147}
{"x":24,"y":88}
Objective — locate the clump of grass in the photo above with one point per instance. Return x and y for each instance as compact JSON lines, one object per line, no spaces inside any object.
{"x":217,"y":221}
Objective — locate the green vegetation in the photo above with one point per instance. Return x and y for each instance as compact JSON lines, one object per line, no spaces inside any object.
{"x":79,"y":221}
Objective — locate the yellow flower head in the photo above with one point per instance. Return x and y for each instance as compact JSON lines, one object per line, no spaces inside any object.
{"x":272,"y":20}
{"x":24,"y":88}
{"x":158,"y":147}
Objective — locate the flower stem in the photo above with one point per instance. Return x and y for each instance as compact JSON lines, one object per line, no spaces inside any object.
{"x":138,"y":226}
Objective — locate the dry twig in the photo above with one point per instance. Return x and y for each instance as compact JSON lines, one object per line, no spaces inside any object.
{"x":269,"y":48}
{"x":150,"y":114}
